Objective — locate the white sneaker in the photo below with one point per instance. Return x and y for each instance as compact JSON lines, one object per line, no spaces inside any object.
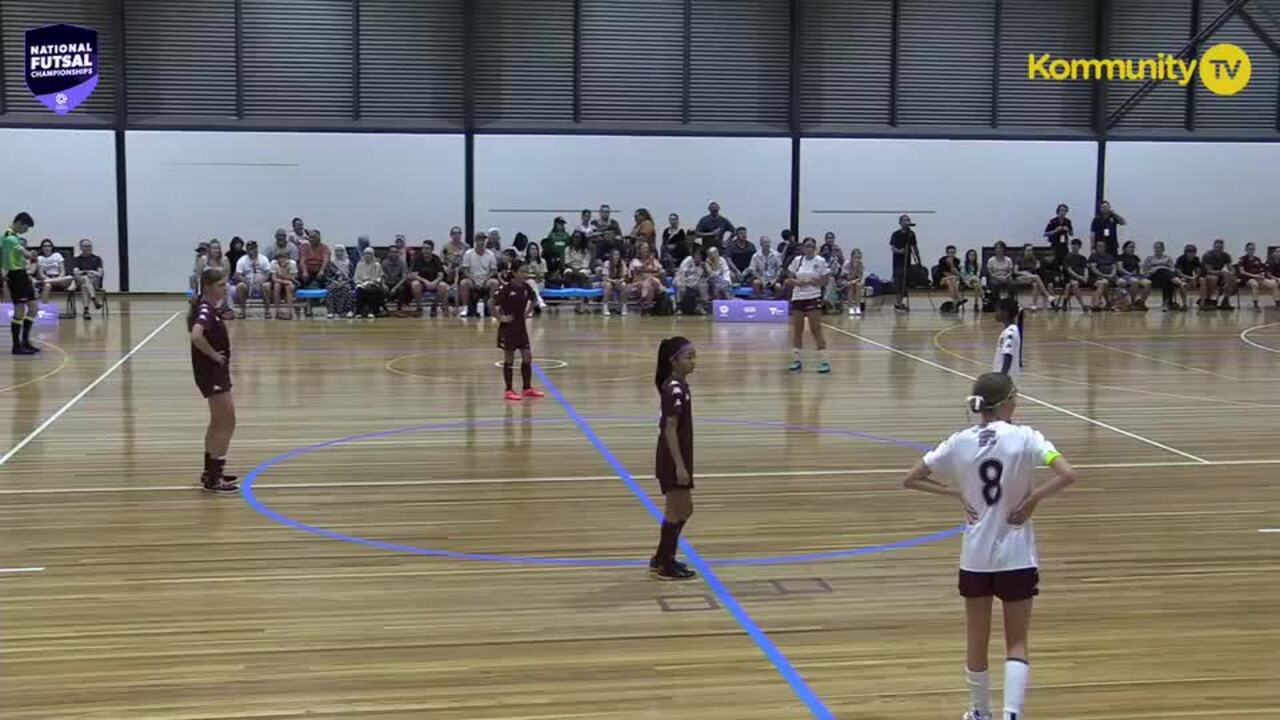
{"x":542,"y":304}
{"x":624,"y":310}
{"x":480,"y":309}
{"x":606,"y":312}
{"x":351,"y":314}
{"x":463,"y":312}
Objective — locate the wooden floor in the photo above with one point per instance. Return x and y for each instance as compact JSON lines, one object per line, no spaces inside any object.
{"x":323,"y":594}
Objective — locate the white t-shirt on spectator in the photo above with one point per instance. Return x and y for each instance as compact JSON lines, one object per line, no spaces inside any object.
{"x":803,"y":268}
{"x":480,"y":267}
{"x":52,"y":266}
{"x":287,"y":268}
{"x":254,"y":271}
{"x":992,"y":465}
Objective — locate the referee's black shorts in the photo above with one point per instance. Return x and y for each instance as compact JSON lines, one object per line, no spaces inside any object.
{"x":20,"y":288}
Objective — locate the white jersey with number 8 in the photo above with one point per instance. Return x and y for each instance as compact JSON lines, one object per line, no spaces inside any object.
{"x":992,"y":467}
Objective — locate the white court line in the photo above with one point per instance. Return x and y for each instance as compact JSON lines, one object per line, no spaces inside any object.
{"x":1035,"y":400}
{"x":1244,"y":335}
{"x":1269,"y":530}
{"x":22,"y":570}
{"x":62,"y":410}
{"x":595,"y":478}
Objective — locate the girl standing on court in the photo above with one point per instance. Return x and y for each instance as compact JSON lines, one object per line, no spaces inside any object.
{"x":988,"y":468}
{"x":674,"y":463}
{"x":211,"y":366}
{"x":1009,"y":348}
{"x":513,"y":306}
{"x":809,"y":274}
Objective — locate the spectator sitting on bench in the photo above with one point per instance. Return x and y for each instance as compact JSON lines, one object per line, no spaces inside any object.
{"x":1000,"y":271}
{"x":535,"y":268}
{"x":426,"y":275}
{"x":1159,"y":271}
{"x":739,"y":253}
{"x":855,"y":272}
{"x":451,"y":254}
{"x":766,"y":271}
{"x":1027,"y":274}
{"x":370,"y":292}
{"x":949,"y":278}
{"x":689,"y":282}
{"x":1218,"y":276}
{"x":554,"y":246}
{"x":479,"y":275}
{"x":54,"y":269}
{"x":340,"y":298}
{"x":284,"y":280}
{"x":646,"y":276}
{"x":1102,"y":272}
{"x":577,"y":266}
{"x":253,"y":279}
{"x":313,"y":256}
{"x":837,"y":287}
{"x":1132,"y":279}
{"x":1189,"y":269}
{"x":395,"y":277}
{"x":86,"y":268}
{"x":617,"y":280}
{"x":1075,"y":277}
{"x":719,"y":277}
{"x":1252,"y":270}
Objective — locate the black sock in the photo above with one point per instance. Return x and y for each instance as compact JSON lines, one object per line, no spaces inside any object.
{"x":507,"y":373}
{"x":526,"y":374}
{"x":667,"y":539}
{"x":208,"y":463}
{"x":675,"y":542}
{"x":26,"y":331}
{"x":15,"y":329}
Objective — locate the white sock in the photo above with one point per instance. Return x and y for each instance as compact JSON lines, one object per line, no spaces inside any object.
{"x":795,"y":354}
{"x":822,"y":355}
{"x":979,"y":689}
{"x":1016,"y":675}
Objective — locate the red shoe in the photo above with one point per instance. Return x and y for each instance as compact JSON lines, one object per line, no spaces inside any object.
{"x":534,"y":393}
{"x":512,"y":395}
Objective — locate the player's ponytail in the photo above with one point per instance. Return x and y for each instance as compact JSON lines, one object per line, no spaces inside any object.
{"x":208,"y":276}
{"x":990,"y":391}
{"x":1014,"y":314}
{"x":667,"y":350}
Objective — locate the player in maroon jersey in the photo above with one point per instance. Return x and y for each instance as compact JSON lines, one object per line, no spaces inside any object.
{"x":514,"y":304}
{"x":211,"y":365}
{"x":674,"y":463}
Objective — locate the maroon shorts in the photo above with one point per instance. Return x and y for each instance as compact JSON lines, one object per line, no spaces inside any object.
{"x":806,"y":306}
{"x":213,"y":381}
{"x":513,"y":336}
{"x":1008,"y":585}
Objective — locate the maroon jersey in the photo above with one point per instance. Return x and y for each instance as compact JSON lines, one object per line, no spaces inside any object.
{"x":513,"y":300}
{"x":211,"y":377}
{"x":676,"y":403}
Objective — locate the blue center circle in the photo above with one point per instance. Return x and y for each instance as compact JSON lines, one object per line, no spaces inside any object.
{"x":251,"y":497}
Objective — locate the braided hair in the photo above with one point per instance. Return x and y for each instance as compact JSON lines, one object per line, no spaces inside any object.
{"x":667,"y":350}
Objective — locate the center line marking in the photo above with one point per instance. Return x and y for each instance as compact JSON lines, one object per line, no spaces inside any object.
{"x":1029,"y":398}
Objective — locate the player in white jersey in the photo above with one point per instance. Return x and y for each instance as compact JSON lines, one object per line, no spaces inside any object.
{"x":806,"y":277}
{"x":988,"y":468}
{"x":1009,"y":348}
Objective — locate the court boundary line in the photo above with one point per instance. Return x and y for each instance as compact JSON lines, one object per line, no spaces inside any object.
{"x":771,"y":651}
{"x":1244,"y":335}
{"x":598,"y":478}
{"x":1170,"y":363}
{"x":11,"y":571}
{"x":62,"y":365}
{"x":1038,"y":401}
{"x":77,"y":397}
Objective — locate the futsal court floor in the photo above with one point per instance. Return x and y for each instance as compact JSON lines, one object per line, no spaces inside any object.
{"x":410,"y":546}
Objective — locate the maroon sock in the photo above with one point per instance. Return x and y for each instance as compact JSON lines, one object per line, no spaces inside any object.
{"x":507,"y":374}
{"x":526,"y":374}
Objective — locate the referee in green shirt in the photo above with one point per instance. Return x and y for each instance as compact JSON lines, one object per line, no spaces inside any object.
{"x":13,"y":260}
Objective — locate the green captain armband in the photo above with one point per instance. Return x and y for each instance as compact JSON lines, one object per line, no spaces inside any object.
{"x":1050,"y":456}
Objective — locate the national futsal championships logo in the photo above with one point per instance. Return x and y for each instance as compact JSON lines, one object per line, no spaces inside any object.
{"x":61,"y":66}
{"x":1224,"y":69}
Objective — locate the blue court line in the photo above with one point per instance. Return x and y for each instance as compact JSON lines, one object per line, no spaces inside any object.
{"x":727,"y":600}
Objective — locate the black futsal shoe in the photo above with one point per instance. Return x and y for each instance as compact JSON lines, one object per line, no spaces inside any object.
{"x":675,"y":571}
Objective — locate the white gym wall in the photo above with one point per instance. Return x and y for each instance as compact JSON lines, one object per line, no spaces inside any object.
{"x":66,"y":179}
{"x":185,"y":187}
{"x":1183,"y":192}
{"x":966,"y":193}
{"x":524,"y":181}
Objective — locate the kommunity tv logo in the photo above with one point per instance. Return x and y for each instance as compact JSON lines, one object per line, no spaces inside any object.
{"x":1224,"y":69}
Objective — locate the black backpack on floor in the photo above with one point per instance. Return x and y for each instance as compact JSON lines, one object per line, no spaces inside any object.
{"x":663,"y":305}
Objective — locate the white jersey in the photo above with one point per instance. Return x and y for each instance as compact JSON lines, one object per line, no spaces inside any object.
{"x":1010,"y":343}
{"x":991,"y":465}
{"x":803,"y":268}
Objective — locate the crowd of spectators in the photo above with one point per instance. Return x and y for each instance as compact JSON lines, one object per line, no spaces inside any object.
{"x":686,"y":267}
